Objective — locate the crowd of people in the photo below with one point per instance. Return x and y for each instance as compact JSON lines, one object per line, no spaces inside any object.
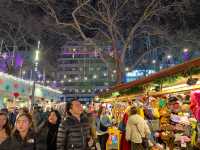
{"x":77,"y":130}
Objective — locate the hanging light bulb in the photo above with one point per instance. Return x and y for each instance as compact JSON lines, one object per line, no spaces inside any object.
{"x":24,"y":72}
{"x":169,"y":57}
{"x":126,"y":69}
{"x":185,"y":50}
{"x":94,"y":76}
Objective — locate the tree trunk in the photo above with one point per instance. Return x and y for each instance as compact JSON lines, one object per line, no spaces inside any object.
{"x":119,"y":64}
{"x":120,"y":70}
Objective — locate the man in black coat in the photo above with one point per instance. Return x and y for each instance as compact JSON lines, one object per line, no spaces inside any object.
{"x":74,"y":133}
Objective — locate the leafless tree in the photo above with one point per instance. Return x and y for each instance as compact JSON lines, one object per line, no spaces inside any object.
{"x":116,"y":22}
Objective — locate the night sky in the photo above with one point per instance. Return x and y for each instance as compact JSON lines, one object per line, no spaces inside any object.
{"x":24,"y":22}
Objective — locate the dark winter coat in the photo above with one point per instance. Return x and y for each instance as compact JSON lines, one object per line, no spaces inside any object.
{"x":48,"y":135}
{"x":73,"y":134}
{"x":31,"y":142}
{"x":5,"y":145}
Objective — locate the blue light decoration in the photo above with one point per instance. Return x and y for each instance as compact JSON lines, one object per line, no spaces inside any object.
{"x":135,"y":74}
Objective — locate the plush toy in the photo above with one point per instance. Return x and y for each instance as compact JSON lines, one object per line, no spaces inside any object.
{"x":156,"y":113}
{"x":148,"y":112}
{"x":154,"y":102}
{"x":195,"y":104}
{"x":141,"y":112}
{"x":164,"y":112}
{"x":193,"y":123}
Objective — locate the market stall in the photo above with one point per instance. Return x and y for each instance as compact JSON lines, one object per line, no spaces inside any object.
{"x":168,"y":100}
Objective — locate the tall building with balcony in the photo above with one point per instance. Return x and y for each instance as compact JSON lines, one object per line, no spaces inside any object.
{"x":82,"y":72}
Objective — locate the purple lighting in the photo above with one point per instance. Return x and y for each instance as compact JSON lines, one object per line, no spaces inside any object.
{"x":186,"y":56}
{"x":18,"y":60}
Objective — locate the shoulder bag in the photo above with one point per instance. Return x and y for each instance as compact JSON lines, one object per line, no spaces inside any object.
{"x":145,"y":142}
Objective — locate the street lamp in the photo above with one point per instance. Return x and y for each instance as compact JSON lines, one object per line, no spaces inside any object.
{"x":37,"y":52}
{"x":36,"y":60}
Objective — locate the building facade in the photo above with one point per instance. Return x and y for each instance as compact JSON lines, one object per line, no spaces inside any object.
{"x":82,"y":72}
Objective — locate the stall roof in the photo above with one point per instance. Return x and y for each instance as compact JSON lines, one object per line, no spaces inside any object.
{"x":164,"y":73}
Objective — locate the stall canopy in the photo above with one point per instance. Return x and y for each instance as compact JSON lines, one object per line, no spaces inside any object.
{"x":13,"y":86}
{"x":186,"y":68}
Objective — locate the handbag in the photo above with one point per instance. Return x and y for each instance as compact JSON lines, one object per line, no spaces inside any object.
{"x":145,"y":141}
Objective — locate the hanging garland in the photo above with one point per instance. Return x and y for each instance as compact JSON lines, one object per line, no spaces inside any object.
{"x":167,"y":81}
{"x":133,"y":90}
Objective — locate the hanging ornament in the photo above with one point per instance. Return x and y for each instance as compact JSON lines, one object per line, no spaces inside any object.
{"x":16,"y":94}
{"x":22,"y":90}
{"x":16,"y":85}
{"x":7,"y":87}
{"x":1,"y":81}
